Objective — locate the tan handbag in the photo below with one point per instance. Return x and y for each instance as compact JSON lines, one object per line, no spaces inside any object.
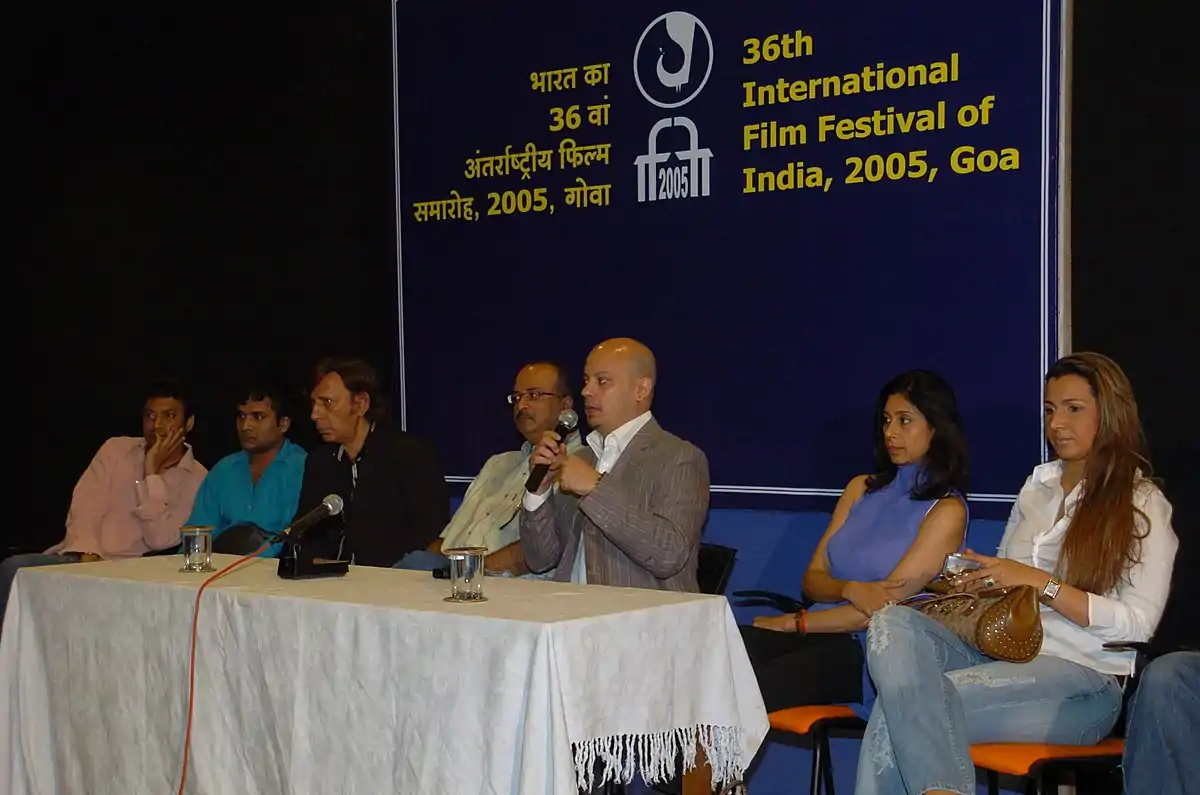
{"x":1003,"y":623}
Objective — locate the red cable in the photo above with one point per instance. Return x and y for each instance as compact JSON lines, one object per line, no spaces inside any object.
{"x":187,"y":737}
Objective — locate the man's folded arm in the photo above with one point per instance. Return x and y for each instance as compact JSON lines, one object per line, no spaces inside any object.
{"x":510,"y":559}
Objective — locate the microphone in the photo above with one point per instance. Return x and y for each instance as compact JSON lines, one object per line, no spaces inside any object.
{"x":330,"y":506}
{"x":567,"y":420}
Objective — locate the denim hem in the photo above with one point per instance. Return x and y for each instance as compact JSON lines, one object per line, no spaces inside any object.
{"x":943,"y":787}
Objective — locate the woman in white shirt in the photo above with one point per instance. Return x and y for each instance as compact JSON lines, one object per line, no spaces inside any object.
{"x":1093,"y":535}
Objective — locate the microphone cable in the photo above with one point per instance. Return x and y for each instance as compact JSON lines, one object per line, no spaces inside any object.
{"x":191,"y":699}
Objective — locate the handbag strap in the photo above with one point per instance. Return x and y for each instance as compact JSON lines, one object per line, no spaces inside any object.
{"x":921,"y":599}
{"x":926,"y":598}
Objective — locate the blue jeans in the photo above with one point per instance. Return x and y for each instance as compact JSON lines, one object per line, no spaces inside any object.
{"x":1163,"y":713}
{"x":422,"y":560}
{"x":936,"y":696}
{"x":10,"y":566}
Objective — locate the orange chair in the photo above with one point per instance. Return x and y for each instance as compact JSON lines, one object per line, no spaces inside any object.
{"x":818,"y":722}
{"x":1039,"y":765}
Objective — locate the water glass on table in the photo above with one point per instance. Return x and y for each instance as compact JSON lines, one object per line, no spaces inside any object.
{"x":466,"y":574}
{"x":196,"y":547}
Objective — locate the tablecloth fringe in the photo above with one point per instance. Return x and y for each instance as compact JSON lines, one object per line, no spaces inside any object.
{"x":654,"y":755}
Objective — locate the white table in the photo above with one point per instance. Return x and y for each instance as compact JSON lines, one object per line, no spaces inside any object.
{"x":369,"y":683}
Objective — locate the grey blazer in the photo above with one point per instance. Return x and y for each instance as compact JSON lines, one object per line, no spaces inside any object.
{"x":641,"y":525}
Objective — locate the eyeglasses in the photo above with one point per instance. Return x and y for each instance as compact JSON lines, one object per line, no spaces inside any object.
{"x":533,"y":395}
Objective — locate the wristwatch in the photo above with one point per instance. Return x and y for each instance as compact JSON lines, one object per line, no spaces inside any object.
{"x":1050,"y":592}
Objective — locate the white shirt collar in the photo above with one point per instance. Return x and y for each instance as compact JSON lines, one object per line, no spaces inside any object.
{"x":619,"y":438}
{"x":1049,"y":473}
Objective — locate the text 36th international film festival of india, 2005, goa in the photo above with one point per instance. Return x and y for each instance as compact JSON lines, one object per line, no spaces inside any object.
{"x":686,"y":174}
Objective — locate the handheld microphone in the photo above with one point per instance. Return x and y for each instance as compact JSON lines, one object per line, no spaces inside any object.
{"x":567,"y":420}
{"x":330,"y":506}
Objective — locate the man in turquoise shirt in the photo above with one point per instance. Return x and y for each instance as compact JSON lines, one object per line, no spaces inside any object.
{"x":257,"y":488}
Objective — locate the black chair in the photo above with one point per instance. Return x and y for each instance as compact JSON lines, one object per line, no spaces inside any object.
{"x":714,"y":567}
{"x":781,"y":602}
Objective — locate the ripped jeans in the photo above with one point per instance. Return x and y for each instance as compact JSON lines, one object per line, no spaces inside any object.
{"x":937,"y":695}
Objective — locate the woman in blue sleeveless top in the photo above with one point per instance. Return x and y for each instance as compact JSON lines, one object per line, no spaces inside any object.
{"x":890,"y":533}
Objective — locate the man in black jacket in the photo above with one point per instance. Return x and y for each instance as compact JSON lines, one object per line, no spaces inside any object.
{"x":391,"y":482}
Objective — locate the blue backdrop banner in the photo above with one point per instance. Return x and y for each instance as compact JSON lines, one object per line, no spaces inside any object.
{"x":789,"y":202}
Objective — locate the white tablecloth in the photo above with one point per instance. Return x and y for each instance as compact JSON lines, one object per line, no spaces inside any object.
{"x":367,"y":684}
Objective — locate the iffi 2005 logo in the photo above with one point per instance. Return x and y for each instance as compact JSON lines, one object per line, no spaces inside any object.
{"x":671,"y":63}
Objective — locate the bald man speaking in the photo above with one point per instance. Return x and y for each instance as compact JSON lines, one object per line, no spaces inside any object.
{"x":629,"y":507}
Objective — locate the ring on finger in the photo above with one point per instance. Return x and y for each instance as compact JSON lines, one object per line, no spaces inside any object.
{"x":989,"y":582}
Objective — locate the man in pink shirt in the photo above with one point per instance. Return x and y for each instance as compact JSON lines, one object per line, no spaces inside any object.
{"x":133,"y":497}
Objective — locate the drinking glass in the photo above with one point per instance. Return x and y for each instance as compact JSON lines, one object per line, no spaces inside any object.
{"x":196,"y":547}
{"x":466,"y":574}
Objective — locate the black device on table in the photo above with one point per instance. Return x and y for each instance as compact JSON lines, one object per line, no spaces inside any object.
{"x":297,"y":560}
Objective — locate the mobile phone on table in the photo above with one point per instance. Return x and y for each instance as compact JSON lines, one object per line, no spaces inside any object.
{"x":958,"y":564}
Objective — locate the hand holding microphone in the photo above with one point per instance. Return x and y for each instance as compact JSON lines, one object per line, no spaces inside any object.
{"x":545,"y":462}
{"x":547,"y":458}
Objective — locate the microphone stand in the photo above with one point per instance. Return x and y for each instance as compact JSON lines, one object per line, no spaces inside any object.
{"x":297,"y":561}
